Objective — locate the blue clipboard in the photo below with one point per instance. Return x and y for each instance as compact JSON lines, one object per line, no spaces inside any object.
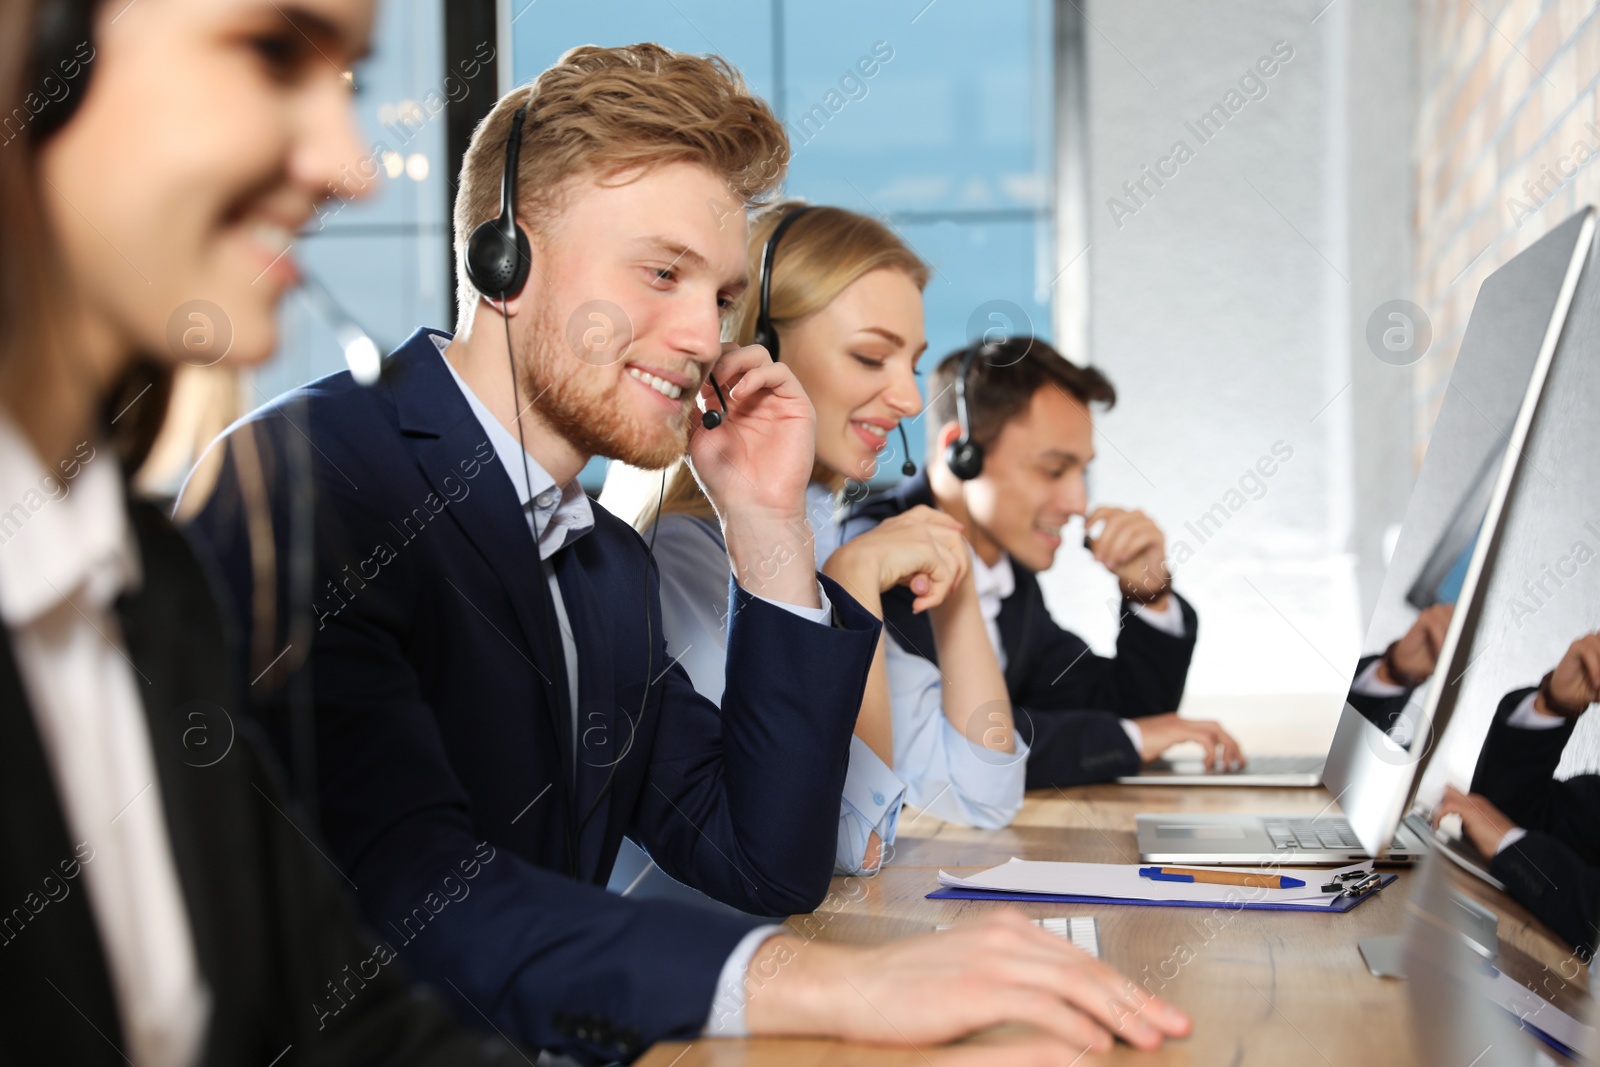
{"x":1338,"y":907}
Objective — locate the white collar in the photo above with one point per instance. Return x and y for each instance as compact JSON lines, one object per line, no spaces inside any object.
{"x":64,"y":532}
{"x":993,"y":584}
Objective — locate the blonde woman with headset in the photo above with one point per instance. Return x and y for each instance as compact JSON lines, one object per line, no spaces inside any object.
{"x":844,"y":311}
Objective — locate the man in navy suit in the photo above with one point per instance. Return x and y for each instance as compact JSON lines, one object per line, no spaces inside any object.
{"x":483,"y":648}
{"x":1082,"y":717}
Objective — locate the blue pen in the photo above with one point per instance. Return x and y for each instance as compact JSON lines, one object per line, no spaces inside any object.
{"x":1186,"y":874}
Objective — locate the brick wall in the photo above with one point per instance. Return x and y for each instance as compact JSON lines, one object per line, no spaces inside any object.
{"x":1507,"y":145}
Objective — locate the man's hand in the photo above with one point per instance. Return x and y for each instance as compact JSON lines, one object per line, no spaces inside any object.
{"x":1575,"y":683}
{"x":940,"y":987}
{"x":754,"y":469}
{"x":921,"y":548}
{"x":1481,"y":822}
{"x":1161,"y":732}
{"x":1132,"y":547}
{"x":1416,"y":654}
{"x":760,"y":458}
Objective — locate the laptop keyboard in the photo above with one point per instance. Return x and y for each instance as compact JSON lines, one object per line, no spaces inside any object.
{"x":1254,"y":765}
{"x":1313,"y":835}
{"x":1283,"y":764}
{"x":1081,"y":930}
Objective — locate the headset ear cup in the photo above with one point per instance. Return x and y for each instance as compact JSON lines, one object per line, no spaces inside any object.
{"x":964,"y":458}
{"x":496,"y":265}
{"x":61,"y":32}
{"x":521,"y":264}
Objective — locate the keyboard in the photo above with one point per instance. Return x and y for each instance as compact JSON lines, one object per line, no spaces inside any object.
{"x":1313,"y":834}
{"x":1263,"y":765}
{"x":1081,"y":930}
{"x":1283,"y":764}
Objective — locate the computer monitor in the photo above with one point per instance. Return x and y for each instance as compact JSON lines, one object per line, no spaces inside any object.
{"x":1543,"y":591}
{"x":1475,"y":456}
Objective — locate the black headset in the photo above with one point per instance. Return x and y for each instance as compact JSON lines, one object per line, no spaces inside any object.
{"x":59,"y":30}
{"x":767,"y":334}
{"x":497,"y":256}
{"x":964,"y":457}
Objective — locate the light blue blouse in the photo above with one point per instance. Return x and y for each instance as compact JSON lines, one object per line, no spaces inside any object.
{"x":694,"y":608}
{"x":946,"y":774}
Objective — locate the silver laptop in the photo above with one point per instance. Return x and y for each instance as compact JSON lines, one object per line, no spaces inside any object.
{"x":1260,"y":770}
{"x":1267,"y":840}
{"x":1380,"y":749}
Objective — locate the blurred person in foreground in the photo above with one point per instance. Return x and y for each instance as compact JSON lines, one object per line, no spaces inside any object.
{"x":161,"y":906}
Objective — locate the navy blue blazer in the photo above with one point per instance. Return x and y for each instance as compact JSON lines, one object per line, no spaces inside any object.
{"x":443,"y":720}
{"x":1555,"y":870}
{"x":1066,"y":701}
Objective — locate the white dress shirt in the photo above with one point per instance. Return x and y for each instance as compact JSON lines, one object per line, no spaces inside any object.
{"x":694,"y":612}
{"x":1000,"y":581}
{"x":64,"y":560}
{"x":558,"y":516}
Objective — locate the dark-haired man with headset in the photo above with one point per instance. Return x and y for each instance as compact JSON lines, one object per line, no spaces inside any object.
{"x":1010,"y":437}
{"x":486,"y":655}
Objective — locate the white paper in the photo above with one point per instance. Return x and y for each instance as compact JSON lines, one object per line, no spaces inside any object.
{"x":1123,"y":882}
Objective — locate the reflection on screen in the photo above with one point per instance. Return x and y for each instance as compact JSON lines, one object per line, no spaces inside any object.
{"x":1391,"y":679}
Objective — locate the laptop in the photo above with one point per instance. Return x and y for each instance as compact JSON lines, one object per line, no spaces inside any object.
{"x":1257,"y":770}
{"x":1381,"y":750}
{"x":1464,"y":854}
{"x":1267,"y":840}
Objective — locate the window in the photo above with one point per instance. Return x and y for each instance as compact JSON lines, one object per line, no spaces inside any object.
{"x":936,"y":116}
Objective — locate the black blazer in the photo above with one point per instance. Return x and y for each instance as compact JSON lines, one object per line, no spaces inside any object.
{"x":1555,"y":870}
{"x":443,"y":721}
{"x":271,"y":925}
{"x":1066,"y":700}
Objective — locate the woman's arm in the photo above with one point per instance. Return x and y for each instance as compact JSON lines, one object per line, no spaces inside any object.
{"x":922,"y":549}
{"x":975,"y":699}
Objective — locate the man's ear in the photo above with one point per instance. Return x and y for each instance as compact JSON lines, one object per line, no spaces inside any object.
{"x":947,"y":434}
{"x":513,"y":304}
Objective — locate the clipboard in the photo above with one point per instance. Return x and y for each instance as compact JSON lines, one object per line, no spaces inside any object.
{"x":1338,"y":907}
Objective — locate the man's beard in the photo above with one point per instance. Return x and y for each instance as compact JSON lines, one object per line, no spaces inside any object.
{"x":585,"y":404}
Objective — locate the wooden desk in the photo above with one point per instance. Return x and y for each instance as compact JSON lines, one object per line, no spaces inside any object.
{"x":1263,"y":987}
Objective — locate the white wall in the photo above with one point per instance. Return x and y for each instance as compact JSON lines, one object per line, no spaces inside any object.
{"x":1222,"y":309}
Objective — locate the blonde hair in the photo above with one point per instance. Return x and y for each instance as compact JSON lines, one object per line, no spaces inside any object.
{"x":820,"y":256}
{"x":602,"y":111}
